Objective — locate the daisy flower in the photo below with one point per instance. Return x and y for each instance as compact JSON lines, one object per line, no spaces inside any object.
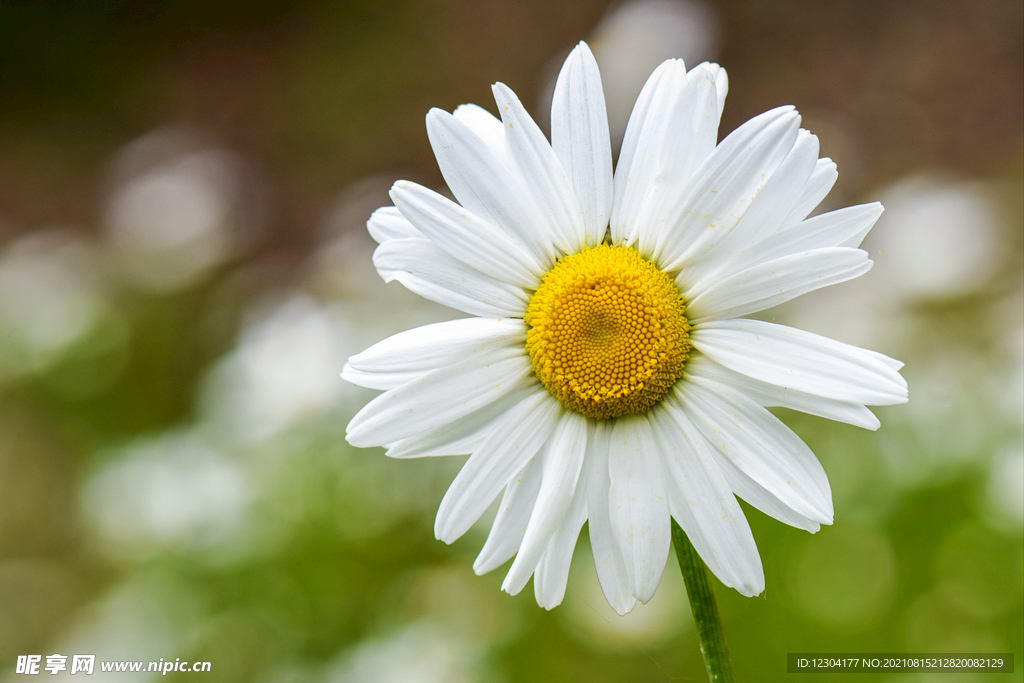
{"x":607,"y":374}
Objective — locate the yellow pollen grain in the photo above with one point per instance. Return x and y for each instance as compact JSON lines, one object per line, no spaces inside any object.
{"x":607,"y":335}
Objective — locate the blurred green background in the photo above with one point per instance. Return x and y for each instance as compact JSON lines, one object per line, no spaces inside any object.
{"x":184,"y":269}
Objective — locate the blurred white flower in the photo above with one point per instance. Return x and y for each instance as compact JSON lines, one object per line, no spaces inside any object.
{"x":176,"y":490}
{"x":636,"y":37}
{"x":50,"y":298}
{"x":592,"y":620}
{"x":178,"y":212}
{"x":284,"y":369}
{"x":1008,"y":378}
{"x":421,"y":653}
{"x":142,"y":619}
{"x":1006,"y":484}
{"x":936,"y":239}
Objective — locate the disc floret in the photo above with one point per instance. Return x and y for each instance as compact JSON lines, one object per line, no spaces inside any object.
{"x":607,"y":332}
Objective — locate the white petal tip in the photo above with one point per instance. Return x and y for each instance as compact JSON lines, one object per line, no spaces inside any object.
{"x":485,"y":564}
{"x":513,"y":587}
{"x":750,"y":591}
{"x":445,"y":534}
{"x":622,"y":609}
{"x":643,"y":594}
{"x":355,"y":437}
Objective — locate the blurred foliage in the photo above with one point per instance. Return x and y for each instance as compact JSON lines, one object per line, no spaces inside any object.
{"x":174,"y":480}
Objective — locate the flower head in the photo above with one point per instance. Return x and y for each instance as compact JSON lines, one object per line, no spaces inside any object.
{"x":607,"y":375}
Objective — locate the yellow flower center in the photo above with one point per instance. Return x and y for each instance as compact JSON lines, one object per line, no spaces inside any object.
{"x":607,"y":335}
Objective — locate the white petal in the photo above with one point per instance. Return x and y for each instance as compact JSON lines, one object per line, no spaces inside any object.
{"x":376,"y":380}
{"x":765,"y":215}
{"x":467,"y":237}
{"x":759,"y":444}
{"x":486,"y":125}
{"x":676,"y":123}
{"x":769,"y":395}
{"x":703,"y":503}
{"x":388,"y":223}
{"x":426,"y":269}
{"x":785,"y":188}
{"x":841,"y":228}
{"x":776,"y":282}
{"x":890,"y":362}
{"x":637,"y":503}
{"x":815,"y":189}
{"x":510,"y":523}
{"x":462,"y":435}
{"x":639,"y":155}
{"x":686,"y":142}
{"x":755,"y":494}
{"x":550,"y":189}
{"x":429,"y":347}
{"x":579,"y":136}
{"x":497,"y":461}
{"x":800,"y":360}
{"x":440,"y":396}
{"x":552,"y":573}
{"x":612,"y":573}
{"x":724,"y":187}
{"x":721,"y":79}
{"x":484,"y":184}
{"x":562,"y":460}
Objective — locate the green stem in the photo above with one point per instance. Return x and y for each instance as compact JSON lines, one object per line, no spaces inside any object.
{"x":705,"y":610}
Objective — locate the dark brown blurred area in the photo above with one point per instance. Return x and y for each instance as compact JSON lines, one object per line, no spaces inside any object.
{"x":318,"y":95}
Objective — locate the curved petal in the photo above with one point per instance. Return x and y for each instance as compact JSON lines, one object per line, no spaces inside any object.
{"x":724,"y":187}
{"x":550,"y":189}
{"x":759,"y":444}
{"x":510,"y":523}
{"x":484,"y":184}
{"x":382,"y":381}
{"x":688,"y":137}
{"x":440,"y":396}
{"x":800,"y":360}
{"x":552,"y":573}
{"x":841,"y":228}
{"x":580,"y":138}
{"x":775,"y":282}
{"x":637,"y":503}
{"x":765,"y":215}
{"x":769,"y":395}
{"x":756,"y":495}
{"x":562,"y":458}
{"x":426,"y":269}
{"x":388,"y":223}
{"x":703,"y":503}
{"x":498,"y":460}
{"x":815,"y":190}
{"x":678,"y":132}
{"x":463,"y":435}
{"x":429,"y":347}
{"x":467,"y":237}
{"x":639,"y":154}
{"x":612,"y":573}
{"x":721,"y":79}
{"x":486,"y":125}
